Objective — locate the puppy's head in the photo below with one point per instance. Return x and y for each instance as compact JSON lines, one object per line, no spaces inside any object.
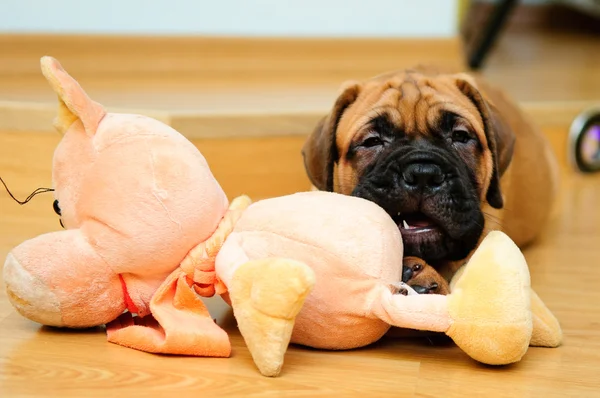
{"x":426,"y":147}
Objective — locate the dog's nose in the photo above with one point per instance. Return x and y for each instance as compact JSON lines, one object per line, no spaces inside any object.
{"x":423,"y":176}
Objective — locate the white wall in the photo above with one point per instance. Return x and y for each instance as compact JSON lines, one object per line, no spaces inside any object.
{"x":330,"y":18}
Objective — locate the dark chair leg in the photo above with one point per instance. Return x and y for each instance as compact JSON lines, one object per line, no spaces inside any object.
{"x":490,"y":32}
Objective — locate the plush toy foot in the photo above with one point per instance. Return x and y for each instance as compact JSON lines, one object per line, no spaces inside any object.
{"x":266,"y":296}
{"x":58,"y":279}
{"x":490,"y":303}
{"x":546,"y":329}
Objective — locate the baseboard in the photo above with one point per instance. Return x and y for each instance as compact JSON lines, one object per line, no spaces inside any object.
{"x":222,"y":59}
{"x":38,"y":117}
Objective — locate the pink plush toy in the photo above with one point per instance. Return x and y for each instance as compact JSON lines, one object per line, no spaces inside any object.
{"x":149,"y":231}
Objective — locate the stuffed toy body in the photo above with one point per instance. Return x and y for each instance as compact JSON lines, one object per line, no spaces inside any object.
{"x":149,"y":232}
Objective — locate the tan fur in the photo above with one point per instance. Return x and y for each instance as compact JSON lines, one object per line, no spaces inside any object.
{"x":517,"y":151}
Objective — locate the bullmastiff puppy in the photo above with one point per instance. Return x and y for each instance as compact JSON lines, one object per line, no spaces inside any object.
{"x":447,"y":155}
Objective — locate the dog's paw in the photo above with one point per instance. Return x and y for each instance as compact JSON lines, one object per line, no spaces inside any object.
{"x":422,"y":277}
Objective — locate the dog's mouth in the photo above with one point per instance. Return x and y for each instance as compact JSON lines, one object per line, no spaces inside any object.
{"x":422,"y":236}
{"x":415,"y":223}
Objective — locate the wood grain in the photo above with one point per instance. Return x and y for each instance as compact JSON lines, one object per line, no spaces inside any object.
{"x":216,"y":59}
{"x":204,"y":87}
{"x":39,"y":361}
{"x":216,"y":87}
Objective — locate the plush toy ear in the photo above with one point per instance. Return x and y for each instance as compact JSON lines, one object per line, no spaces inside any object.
{"x":500,"y":137}
{"x":320,"y":150}
{"x":74,"y":104}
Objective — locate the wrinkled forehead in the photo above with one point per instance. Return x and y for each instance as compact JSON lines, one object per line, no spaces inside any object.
{"x":413,"y":102}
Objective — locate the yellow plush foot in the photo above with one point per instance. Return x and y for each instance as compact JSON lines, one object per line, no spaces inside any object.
{"x":266,"y":295}
{"x":490,"y":303}
{"x":546,"y":329}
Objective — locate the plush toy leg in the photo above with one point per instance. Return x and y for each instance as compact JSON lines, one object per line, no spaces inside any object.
{"x":490,"y":303}
{"x":180,"y":324}
{"x":57,"y":279}
{"x":266,"y":296}
{"x":546,"y":329}
{"x":426,"y":312}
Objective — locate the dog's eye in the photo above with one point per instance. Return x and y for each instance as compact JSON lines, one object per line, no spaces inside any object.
{"x":417,"y":267}
{"x":56,"y":207}
{"x":371,"y":142}
{"x":461,"y":136}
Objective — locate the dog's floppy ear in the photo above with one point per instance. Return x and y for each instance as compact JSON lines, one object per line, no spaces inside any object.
{"x":500,"y":137}
{"x":320,"y":150}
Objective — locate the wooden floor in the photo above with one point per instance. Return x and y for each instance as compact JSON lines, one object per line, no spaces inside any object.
{"x":565,"y":262}
{"x":39,"y":361}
